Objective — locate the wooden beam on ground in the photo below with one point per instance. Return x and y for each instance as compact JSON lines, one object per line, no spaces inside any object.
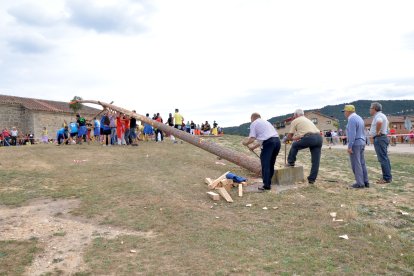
{"x":227,"y":184}
{"x":240,"y":190}
{"x":217,"y":181}
{"x":213,"y":195}
{"x":224,"y":194}
{"x":208,"y":181}
{"x":227,"y":181}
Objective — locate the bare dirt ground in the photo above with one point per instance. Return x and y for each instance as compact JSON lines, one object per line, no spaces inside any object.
{"x":64,"y":236}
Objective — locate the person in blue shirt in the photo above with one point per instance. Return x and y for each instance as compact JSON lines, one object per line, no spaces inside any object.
{"x":73,"y":131}
{"x":61,"y":135}
{"x":355,"y":131}
{"x":83,"y":130}
{"x":97,"y":129}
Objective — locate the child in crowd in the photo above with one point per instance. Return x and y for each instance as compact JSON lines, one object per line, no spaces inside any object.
{"x":45,"y":137}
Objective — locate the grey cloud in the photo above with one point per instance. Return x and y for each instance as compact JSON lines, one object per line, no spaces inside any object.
{"x":33,"y":15}
{"x":124,"y":17}
{"x":30,"y":44}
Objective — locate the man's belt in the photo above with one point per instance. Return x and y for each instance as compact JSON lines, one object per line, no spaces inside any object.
{"x":310,"y":134}
{"x":380,"y":135}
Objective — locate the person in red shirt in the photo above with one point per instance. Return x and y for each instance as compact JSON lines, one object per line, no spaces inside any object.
{"x":120,"y":128}
{"x":393,"y":133}
{"x":159,"y":136}
{"x":6,"y":137}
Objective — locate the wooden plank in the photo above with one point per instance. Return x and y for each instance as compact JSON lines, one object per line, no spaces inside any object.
{"x":208,"y":181}
{"x":226,"y":181}
{"x":226,"y":184}
{"x":213,"y":195}
{"x":217,"y":181}
{"x":240,"y":190}
{"x":224,"y":194}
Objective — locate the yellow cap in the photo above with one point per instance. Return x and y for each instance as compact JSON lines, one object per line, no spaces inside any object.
{"x":349,"y":107}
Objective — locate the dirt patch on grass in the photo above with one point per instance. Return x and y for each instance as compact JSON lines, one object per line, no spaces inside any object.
{"x":62,"y":236}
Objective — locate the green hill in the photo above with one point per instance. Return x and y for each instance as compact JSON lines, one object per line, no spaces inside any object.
{"x":390,"y":107}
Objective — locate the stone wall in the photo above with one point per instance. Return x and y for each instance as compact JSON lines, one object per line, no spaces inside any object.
{"x":12,"y":116}
{"x":52,"y":121}
{"x":15,"y":115}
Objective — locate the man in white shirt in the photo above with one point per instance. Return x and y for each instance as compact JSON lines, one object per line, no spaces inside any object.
{"x":268,"y":139}
{"x":379,"y":131}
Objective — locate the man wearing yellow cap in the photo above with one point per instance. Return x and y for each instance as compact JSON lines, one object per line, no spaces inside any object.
{"x":356,"y":146}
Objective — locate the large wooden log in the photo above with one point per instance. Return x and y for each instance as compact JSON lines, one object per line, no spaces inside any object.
{"x":238,"y":158}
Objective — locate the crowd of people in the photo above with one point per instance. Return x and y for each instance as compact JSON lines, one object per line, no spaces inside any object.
{"x":115,"y":128}
{"x":333,"y":137}
{"x":305,"y":134}
{"x":15,"y":137}
{"x":111,"y":128}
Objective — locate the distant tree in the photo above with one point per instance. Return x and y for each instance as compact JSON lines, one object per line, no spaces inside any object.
{"x":75,"y":105}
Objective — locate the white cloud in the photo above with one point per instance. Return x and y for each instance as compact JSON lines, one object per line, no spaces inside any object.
{"x":109,"y":16}
{"x":37,"y":13}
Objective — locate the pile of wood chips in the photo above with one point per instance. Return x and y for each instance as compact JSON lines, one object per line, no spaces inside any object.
{"x":222,"y":186}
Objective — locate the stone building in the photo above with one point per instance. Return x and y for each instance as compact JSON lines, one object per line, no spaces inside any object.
{"x":322,"y":122}
{"x":31,"y":115}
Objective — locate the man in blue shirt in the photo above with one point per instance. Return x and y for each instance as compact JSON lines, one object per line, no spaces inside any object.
{"x":73,"y":130}
{"x":61,"y":135}
{"x":356,"y":146}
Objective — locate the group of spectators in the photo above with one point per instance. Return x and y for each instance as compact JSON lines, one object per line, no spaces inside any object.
{"x":334,"y":137}
{"x":15,"y":137}
{"x":111,"y":128}
{"x":177,"y":121}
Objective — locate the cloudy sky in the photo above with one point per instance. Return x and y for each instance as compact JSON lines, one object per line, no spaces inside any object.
{"x":213,"y":59}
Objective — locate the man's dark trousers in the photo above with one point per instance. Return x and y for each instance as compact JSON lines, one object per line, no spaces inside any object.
{"x":270,"y":150}
{"x":381,"y":149}
{"x":314,"y":143}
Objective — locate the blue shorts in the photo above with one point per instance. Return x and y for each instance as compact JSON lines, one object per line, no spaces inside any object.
{"x":82,"y":131}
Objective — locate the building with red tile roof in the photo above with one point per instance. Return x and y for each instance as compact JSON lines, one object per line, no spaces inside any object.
{"x":31,"y":115}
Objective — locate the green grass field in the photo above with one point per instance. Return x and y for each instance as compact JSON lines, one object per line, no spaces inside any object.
{"x":159,"y":188}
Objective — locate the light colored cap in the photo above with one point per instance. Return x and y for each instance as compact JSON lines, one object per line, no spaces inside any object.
{"x":349,"y":107}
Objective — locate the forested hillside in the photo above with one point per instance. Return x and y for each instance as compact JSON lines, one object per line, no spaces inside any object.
{"x":390,"y":107}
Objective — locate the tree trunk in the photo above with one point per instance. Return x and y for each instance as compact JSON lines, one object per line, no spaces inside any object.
{"x":238,"y":158}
